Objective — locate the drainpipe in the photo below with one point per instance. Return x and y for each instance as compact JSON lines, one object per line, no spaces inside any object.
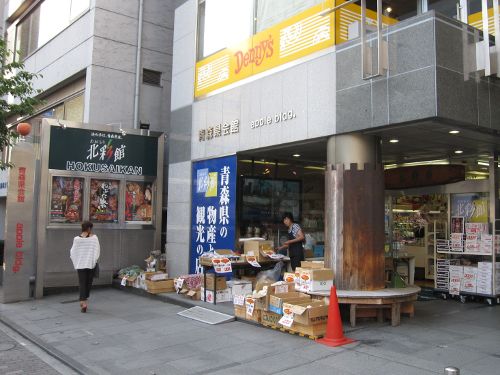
{"x":138,"y":65}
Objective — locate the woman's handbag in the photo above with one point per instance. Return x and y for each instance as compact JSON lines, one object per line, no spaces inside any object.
{"x":95,"y":273}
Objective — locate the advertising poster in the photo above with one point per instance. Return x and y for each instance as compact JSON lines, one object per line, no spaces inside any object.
{"x":138,"y":208}
{"x":213,"y":215}
{"x":473,"y":207}
{"x":66,"y":200}
{"x":104,"y":201}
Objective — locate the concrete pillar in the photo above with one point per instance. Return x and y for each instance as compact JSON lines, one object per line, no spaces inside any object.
{"x":354,"y":212}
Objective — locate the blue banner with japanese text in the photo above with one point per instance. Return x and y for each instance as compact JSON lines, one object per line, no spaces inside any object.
{"x":213,"y":212}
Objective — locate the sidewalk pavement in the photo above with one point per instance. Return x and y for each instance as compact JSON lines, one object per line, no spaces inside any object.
{"x":18,"y":356}
{"x":124,"y":333}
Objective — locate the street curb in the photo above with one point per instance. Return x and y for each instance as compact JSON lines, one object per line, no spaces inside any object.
{"x":49,"y":349}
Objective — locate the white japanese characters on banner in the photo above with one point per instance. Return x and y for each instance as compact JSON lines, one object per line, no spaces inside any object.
{"x":213,"y":209}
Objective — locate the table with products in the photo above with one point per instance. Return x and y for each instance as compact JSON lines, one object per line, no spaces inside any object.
{"x":207,"y":264}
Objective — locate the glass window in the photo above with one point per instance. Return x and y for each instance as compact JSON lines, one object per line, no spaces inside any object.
{"x":224,"y":23}
{"x":104,"y":200}
{"x":74,"y":109}
{"x":138,"y":208}
{"x":66,"y":200}
{"x":77,"y":8}
{"x":44,"y":22}
{"x":399,"y":10}
{"x":446,"y":7}
{"x":271,"y":12}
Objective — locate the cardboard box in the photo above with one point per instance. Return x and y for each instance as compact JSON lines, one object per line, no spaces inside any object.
{"x":309,"y":313}
{"x":311,"y":330}
{"x":251,"y":279}
{"x":240,"y":311}
{"x":269,"y":318}
{"x":262,"y":303}
{"x":469,"y":280}
{"x":276,"y":300}
{"x":240,"y":287}
{"x":255,"y":317}
{"x":312,"y":264}
{"x":254,"y":247}
{"x":157,"y":276}
{"x":223,"y":295}
{"x":316,"y":279}
{"x":163,"y":286}
{"x":308,"y":253}
{"x":220,"y":284}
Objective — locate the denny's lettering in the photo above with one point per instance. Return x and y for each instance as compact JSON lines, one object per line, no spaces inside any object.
{"x":256,"y":55}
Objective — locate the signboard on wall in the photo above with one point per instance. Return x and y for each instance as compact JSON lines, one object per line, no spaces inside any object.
{"x":292,"y":39}
{"x":213,"y":212}
{"x":86,"y":150}
{"x":472,"y":206}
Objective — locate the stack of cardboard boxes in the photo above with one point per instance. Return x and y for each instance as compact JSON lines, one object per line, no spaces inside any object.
{"x":269,"y":302}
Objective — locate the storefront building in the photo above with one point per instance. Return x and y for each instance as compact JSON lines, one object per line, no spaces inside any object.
{"x":64,"y":174}
{"x":102,"y":66}
{"x":314,"y":116}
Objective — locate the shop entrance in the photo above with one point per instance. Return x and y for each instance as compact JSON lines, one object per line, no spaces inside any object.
{"x":287,"y":179}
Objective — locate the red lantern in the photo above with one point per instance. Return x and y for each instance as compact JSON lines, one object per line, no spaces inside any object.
{"x":23,"y":128}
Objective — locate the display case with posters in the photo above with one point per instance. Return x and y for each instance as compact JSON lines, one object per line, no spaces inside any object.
{"x":66,"y":200}
{"x":104,"y":200}
{"x":138,"y":202}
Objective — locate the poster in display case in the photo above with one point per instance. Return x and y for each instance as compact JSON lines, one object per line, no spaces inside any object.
{"x":138,"y":207}
{"x":104,"y":200}
{"x":66,"y":200}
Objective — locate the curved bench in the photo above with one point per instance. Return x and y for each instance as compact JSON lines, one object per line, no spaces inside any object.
{"x":389,"y":298}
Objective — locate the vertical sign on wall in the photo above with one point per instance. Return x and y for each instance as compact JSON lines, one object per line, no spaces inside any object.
{"x":19,"y":254}
{"x":213,"y":212}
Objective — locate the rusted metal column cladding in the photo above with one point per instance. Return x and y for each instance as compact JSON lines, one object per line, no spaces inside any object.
{"x":354,"y":225}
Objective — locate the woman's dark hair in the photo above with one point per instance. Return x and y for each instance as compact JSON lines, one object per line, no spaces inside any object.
{"x":86,"y":225}
{"x":287,"y":215}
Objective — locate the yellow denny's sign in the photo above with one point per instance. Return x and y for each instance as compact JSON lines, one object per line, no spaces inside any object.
{"x":296,"y":37}
{"x":476,"y":20}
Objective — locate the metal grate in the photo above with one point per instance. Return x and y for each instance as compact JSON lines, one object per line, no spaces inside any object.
{"x":151,"y":77}
{"x":204,"y":315}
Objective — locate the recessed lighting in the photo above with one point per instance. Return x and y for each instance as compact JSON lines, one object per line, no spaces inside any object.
{"x":394,"y":140}
{"x":458,"y":152}
{"x":296,"y":155}
{"x":454,"y":131}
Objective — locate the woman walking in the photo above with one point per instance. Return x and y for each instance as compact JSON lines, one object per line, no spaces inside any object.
{"x":295,"y":241}
{"x":85,"y":254}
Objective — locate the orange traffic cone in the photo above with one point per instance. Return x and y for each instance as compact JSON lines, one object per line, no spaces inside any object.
{"x":334,"y":332}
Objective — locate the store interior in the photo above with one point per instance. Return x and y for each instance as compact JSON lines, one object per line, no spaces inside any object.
{"x":291,"y":178}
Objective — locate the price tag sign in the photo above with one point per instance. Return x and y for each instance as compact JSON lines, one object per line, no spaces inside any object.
{"x":287,"y":319}
{"x":253,"y":261}
{"x":124,"y":281}
{"x":239,"y":300}
{"x":179,"y":283}
{"x":222,"y":265}
{"x":250,"y":304}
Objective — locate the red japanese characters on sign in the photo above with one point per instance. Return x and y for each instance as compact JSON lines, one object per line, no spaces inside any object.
{"x":21,"y":184}
{"x":19,"y":258}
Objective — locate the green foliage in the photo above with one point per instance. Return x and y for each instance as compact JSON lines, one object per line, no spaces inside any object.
{"x":15,"y":83}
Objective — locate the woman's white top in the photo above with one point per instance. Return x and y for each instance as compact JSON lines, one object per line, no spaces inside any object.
{"x":85,"y":252}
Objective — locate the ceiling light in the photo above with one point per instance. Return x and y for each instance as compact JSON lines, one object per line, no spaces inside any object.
{"x":296,"y":155}
{"x":312,"y":167}
{"x":388,"y":9}
{"x":454,"y":131}
{"x":485,"y":163}
{"x":458,"y":152}
{"x":394,"y":140}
